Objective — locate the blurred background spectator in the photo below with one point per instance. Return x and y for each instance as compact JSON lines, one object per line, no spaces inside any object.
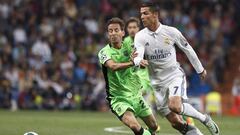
{"x":48,"y":48}
{"x":236,"y":94}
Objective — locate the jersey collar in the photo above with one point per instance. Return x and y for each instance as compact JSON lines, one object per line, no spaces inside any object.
{"x":111,"y":46}
{"x":153,"y":33}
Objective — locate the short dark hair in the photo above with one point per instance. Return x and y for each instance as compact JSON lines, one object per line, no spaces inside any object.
{"x":133,"y":19}
{"x":116,"y":20}
{"x":154,"y":7}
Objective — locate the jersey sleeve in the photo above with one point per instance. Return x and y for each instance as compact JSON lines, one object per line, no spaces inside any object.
{"x":182,"y":43}
{"x":103,"y":56}
{"x":139,"y":46}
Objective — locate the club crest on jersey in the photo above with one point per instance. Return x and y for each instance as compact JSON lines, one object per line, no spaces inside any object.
{"x":119,"y":109}
{"x":125,"y":53}
{"x":167,"y":41}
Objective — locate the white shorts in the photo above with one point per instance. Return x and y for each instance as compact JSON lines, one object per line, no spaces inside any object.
{"x":176,"y":87}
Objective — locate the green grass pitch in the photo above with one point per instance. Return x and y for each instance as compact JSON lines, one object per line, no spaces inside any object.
{"x":88,"y":123}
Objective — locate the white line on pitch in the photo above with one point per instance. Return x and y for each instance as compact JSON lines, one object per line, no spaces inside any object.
{"x":121,"y":129}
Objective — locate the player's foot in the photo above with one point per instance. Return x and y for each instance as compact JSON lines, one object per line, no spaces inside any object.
{"x":154,"y":132}
{"x":193,"y":131}
{"x":211,"y":125}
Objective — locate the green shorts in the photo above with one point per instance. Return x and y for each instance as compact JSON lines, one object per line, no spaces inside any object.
{"x":146,"y":85}
{"x":140,"y":108}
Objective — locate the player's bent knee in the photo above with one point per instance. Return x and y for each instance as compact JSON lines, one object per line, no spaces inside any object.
{"x":175,"y":105}
{"x":175,"y":108}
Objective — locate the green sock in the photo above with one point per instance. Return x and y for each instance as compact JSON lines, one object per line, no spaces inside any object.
{"x":146,"y":132}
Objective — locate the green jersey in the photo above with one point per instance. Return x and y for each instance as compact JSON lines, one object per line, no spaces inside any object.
{"x":142,"y":72}
{"x":120,"y":83}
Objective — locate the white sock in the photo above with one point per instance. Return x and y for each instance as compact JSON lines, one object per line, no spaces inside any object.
{"x":190,"y":111}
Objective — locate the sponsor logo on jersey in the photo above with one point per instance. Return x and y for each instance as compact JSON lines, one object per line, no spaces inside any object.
{"x":159,"y":54}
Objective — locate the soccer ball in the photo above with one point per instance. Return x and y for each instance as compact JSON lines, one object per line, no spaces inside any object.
{"x":30,"y":133}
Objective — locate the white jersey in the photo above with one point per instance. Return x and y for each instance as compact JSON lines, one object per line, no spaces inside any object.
{"x":159,"y":49}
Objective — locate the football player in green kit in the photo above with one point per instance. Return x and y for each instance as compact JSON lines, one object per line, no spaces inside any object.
{"x":122,"y":83}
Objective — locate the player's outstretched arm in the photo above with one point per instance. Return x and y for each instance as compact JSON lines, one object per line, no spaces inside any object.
{"x":143,"y":63}
{"x":105,"y":59}
{"x":117,"y":66}
{"x":139,"y":47}
{"x":188,"y":50}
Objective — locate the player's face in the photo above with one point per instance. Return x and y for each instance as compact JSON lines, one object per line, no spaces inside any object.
{"x":147,"y":16}
{"x":132,"y":29}
{"x":115,"y":34}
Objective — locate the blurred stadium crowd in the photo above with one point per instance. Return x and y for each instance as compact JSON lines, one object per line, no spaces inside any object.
{"x":48,"y":48}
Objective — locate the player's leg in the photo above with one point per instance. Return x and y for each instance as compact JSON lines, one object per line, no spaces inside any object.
{"x":151,"y":123}
{"x":177,"y":94}
{"x":129,"y":120}
{"x":125,"y":112}
{"x":176,"y":121}
{"x":188,"y":110}
{"x":144,"y":111}
{"x":182,"y":127}
{"x":175,"y":105}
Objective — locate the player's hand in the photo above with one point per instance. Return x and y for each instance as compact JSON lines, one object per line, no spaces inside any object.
{"x":143,"y":63}
{"x":133,"y":55}
{"x":203,"y":74}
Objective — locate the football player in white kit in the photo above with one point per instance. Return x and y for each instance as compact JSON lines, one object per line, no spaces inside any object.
{"x":156,"y":43}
